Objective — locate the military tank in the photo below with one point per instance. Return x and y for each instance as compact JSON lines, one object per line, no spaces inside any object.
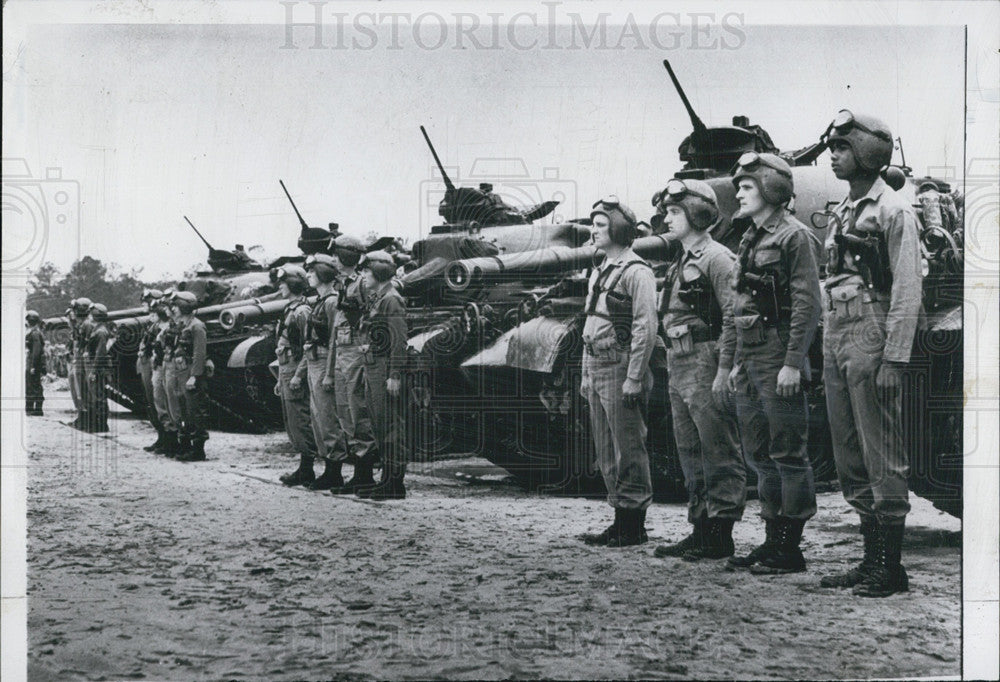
{"x":499,"y":378}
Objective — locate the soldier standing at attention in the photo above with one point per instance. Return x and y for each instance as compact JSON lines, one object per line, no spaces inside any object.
{"x":618,"y":336}
{"x":34,"y":366}
{"x":191,"y":378}
{"x":144,"y":360}
{"x":347,"y":379}
{"x":874,"y":284}
{"x":98,"y":363}
{"x":776,"y":310}
{"x":82,"y":329}
{"x":290,"y":334}
{"x":698,"y":288}
{"x":330,"y":441}
{"x":162,"y":375}
{"x":172,"y":373}
{"x":74,"y":323}
{"x":384,"y":330}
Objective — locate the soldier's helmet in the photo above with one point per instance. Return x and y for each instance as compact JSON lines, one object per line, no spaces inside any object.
{"x":323,"y":265}
{"x":81,"y":306}
{"x":869,"y":138}
{"x":624,"y":227}
{"x":381,"y":264}
{"x":32,"y":317}
{"x":99,"y":311}
{"x":894,"y":177}
{"x":151,"y":296}
{"x":695,"y":197}
{"x":771,"y":174}
{"x":292,"y":275}
{"x":185,"y":301}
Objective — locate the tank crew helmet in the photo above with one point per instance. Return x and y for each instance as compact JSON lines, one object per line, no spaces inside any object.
{"x":347,"y":248}
{"x":926,"y":185}
{"x":99,"y":311}
{"x":695,"y":197}
{"x":323,"y":265}
{"x":151,"y":296}
{"x":771,"y":174}
{"x":381,"y":264}
{"x":895,"y":177}
{"x":81,"y":306}
{"x":32,"y":317}
{"x":623,"y":226}
{"x":869,"y":138}
{"x":184,"y":301}
{"x":292,"y":275}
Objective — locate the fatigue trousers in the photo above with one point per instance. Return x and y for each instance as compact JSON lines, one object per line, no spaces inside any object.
{"x":295,"y":410}
{"x":33,"y":393}
{"x":97,"y":397}
{"x":194,"y":407}
{"x":707,"y":444}
{"x":774,"y":431}
{"x":146,"y":374}
{"x":619,"y":432}
{"x":331,"y":443}
{"x":160,"y":400}
{"x":387,"y":414}
{"x":352,"y":408}
{"x":174,"y":385}
{"x":866,"y":423}
{"x":74,"y":384}
{"x":80,"y":372}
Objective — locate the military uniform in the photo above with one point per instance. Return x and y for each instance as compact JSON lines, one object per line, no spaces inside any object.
{"x":290,"y":335}
{"x":349,"y":364}
{"x":867,"y":324}
{"x":614,"y":351}
{"x":189,"y":359}
{"x":144,"y":366}
{"x":34,"y":368}
{"x":318,"y":359}
{"x":776,"y":310}
{"x":81,"y":335}
{"x":698,"y":288}
{"x":162,"y":370}
{"x":98,"y":365}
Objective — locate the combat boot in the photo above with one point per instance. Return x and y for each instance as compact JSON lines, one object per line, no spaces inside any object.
{"x":691,"y":542}
{"x":857,"y":575}
{"x":601,"y":539}
{"x":631,"y":531}
{"x":196,"y":453}
{"x":391,"y":487}
{"x":786,"y":556}
{"x":718,"y":542}
{"x":157,"y":443}
{"x":170,"y":447}
{"x":887,"y":576}
{"x":304,"y":475}
{"x":331,"y":477}
{"x":760,"y":551}
{"x":361,"y":482}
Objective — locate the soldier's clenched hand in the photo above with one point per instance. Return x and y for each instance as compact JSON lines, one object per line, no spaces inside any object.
{"x":720,"y":388}
{"x":295,"y":384}
{"x":190,"y":383}
{"x":889,"y":377}
{"x":327,"y":383}
{"x":392,"y":386}
{"x":733,"y":373}
{"x":631,"y":393}
{"x":789,"y":379}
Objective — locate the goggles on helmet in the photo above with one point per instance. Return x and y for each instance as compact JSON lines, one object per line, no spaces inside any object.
{"x":676,"y":190}
{"x":278,"y":273}
{"x":751,"y":161}
{"x":311,"y":260}
{"x":610,"y":201}
{"x":844,"y":121}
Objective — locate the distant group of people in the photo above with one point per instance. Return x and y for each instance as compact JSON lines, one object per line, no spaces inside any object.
{"x":738,"y":329}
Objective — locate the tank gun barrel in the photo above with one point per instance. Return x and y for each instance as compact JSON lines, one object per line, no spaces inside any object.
{"x":204,"y":241}
{"x":555,"y":260}
{"x":447,"y":181}
{"x":696,"y":122}
{"x":259,"y":312}
{"x":302,"y":221}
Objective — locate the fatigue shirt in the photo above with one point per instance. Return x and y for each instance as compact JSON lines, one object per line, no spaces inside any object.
{"x":34,"y":344}
{"x":291,"y":332}
{"x":385,"y":328}
{"x":638,"y":282}
{"x":319,"y":329}
{"x":713,"y":260}
{"x":783,"y":243}
{"x":149,"y":333}
{"x":349,"y":289}
{"x":192,"y":345}
{"x":97,"y":348}
{"x":81,"y":332}
{"x":882,"y":209}
{"x":167,"y":338}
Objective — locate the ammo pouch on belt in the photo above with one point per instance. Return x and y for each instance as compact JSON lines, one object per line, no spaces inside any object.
{"x":209,"y":368}
{"x":847,"y":302}
{"x":345,"y":336}
{"x":750,"y":329}
{"x":284,"y":354}
{"x":181,"y":363}
{"x":682,"y":338}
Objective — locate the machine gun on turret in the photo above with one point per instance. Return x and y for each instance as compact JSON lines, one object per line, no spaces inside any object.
{"x":227,"y":261}
{"x":311,"y":239}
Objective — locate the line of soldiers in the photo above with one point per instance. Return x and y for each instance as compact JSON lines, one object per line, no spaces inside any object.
{"x":738,"y":328}
{"x":340,"y":363}
{"x":91,"y":364}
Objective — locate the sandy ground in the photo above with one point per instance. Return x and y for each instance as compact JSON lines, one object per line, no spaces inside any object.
{"x":143,"y":567}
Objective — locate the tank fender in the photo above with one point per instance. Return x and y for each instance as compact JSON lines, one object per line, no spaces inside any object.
{"x":255,"y":350}
{"x":535,"y":345}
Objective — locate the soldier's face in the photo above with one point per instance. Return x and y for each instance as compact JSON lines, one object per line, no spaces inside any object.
{"x":842,"y":160}
{"x":676,"y":221}
{"x":751,"y":201}
{"x":602,"y":236}
{"x":312,"y":279}
{"x":368,"y":279}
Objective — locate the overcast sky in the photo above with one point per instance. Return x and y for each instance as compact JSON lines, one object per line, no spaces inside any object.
{"x":152,"y":122}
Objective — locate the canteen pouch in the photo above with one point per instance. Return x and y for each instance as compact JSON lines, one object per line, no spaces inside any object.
{"x":681,"y":340}
{"x":846,"y":302}
{"x":750,"y":329}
